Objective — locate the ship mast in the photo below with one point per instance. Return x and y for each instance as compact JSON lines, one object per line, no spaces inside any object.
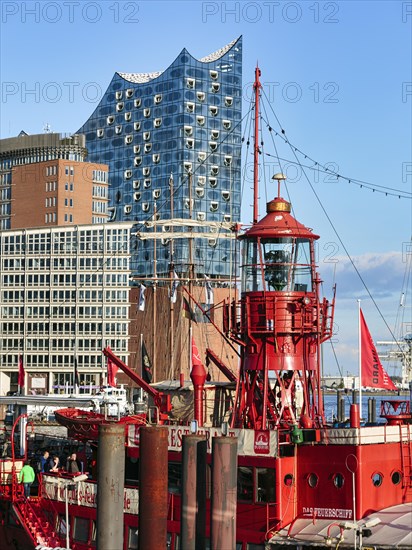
{"x":256,"y":151}
{"x":282,"y":319}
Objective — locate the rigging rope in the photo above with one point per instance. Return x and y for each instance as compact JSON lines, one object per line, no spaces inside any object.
{"x":333,"y":226}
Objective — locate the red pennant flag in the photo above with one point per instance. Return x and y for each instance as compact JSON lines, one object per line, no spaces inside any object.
{"x":20,"y":381}
{"x":373,"y":373}
{"x":111,"y":373}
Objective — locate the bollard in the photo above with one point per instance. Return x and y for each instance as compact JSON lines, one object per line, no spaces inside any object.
{"x":153,"y":488}
{"x":110,"y":496}
{"x":224,"y":493}
{"x":193,"y":511}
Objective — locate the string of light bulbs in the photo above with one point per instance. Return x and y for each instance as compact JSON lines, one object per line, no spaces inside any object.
{"x":322,"y":168}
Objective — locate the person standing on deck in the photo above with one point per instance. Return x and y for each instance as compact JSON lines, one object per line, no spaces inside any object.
{"x":44,"y":461}
{"x":27,"y":476}
{"x":72,"y":465}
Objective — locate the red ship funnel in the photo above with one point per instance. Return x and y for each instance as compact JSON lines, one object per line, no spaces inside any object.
{"x":198,"y":375}
{"x":354,"y":416}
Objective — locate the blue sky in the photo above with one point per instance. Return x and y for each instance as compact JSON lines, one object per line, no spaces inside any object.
{"x":337,"y":75}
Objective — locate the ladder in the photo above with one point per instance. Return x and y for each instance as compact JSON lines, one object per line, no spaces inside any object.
{"x":35,"y":522}
{"x":406,"y":455}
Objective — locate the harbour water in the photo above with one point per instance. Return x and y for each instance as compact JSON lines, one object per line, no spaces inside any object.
{"x":330,"y":403}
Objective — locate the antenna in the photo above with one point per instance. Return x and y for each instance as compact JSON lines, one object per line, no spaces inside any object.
{"x":279,"y":177}
{"x":47,"y":128}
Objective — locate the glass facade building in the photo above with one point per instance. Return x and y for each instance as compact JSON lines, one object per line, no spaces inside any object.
{"x":172,"y":141}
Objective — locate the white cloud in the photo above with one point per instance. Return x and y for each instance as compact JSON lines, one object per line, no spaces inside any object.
{"x":382,"y":273}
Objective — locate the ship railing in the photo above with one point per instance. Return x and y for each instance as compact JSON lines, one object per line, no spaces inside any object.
{"x":7,"y":471}
{"x":153,"y":415}
{"x":171,"y":507}
{"x":271,"y":521}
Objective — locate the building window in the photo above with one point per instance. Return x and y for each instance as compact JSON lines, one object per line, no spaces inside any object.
{"x":266,"y":483}
{"x":174,"y":477}
{"x":245,"y":484}
{"x":338,"y":480}
{"x":71,"y":187}
{"x":81,"y":529}
{"x":313,"y":480}
{"x":132,"y":541}
{"x":377,"y":479}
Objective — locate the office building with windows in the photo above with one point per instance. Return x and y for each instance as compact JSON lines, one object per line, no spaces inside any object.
{"x":64,"y":295}
{"x":46,"y":181}
{"x":172,"y":141}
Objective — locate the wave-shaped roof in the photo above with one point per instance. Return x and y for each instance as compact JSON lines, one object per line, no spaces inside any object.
{"x":142,"y":78}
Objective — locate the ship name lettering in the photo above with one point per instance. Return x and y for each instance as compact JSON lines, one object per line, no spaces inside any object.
{"x":339,"y":513}
{"x":89,"y":496}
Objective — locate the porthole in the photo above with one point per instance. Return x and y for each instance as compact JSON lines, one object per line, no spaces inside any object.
{"x":396,"y":477}
{"x":288,"y":480}
{"x":313,"y":480}
{"x":377,"y":479}
{"x":338,"y":481}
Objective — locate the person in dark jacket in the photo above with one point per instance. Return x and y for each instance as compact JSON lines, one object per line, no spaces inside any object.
{"x":73,"y":466}
{"x":44,"y":462}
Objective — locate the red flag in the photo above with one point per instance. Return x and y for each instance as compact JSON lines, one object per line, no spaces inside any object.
{"x":196,"y":361}
{"x":373,"y":373}
{"x":20,"y":381}
{"x":111,"y":373}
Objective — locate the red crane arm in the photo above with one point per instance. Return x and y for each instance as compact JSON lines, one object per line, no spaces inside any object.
{"x":210,"y":355}
{"x":157,"y":396}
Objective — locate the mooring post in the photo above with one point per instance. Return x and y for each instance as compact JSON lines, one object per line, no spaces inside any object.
{"x":193,"y":511}
{"x":224,"y":493}
{"x":153,"y":487}
{"x":110,"y":480}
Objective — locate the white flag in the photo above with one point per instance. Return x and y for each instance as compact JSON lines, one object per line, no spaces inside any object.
{"x":208,"y":292}
{"x":173,"y":292}
{"x":142,"y":298}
